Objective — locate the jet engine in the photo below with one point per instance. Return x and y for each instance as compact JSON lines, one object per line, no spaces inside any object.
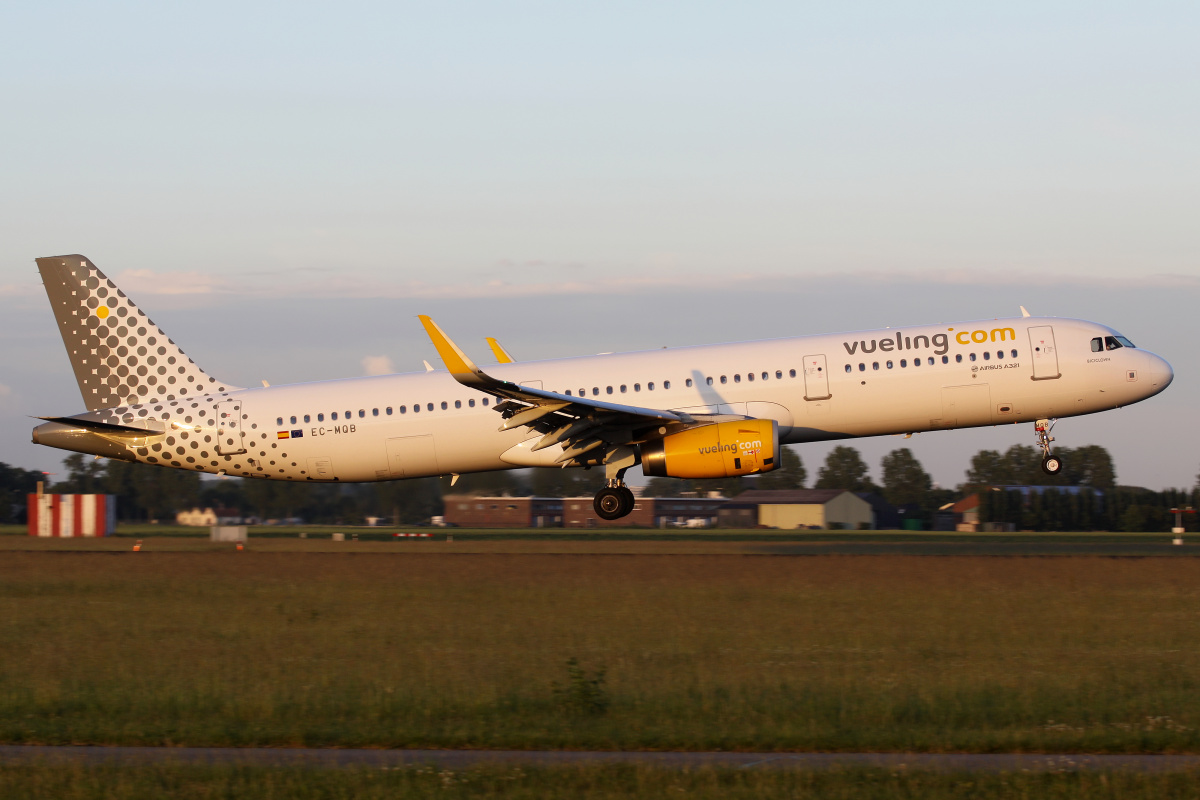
{"x":716,"y":450}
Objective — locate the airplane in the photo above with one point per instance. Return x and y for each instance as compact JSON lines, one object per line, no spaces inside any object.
{"x":708,"y":411}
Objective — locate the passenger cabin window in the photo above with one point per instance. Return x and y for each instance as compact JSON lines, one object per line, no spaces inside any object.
{"x":849,"y":368}
{"x":403,"y":409}
{"x":348,"y":415}
{"x":724,"y":379}
{"x":307,"y":418}
{"x":320,"y":417}
{"x":875,"y":365}
{"x":688,"y":383}
{"x":958,"y":358}
{"x":485,"y":401}
{"x":622,"y":388}
{"x":972,"y":356}
{"x":374,"y":412}
{"x":362,"y":412}
{"x":987,"y":356}
{"x":471,"y":402}
{"x":333,"y":415}
{"x":568,"y":393}
{"x":416,"y":409}
{"x":279,"y":421}
{"x":749,"y":376}
{"x":889,"y":365}
{"x":389,"y":411}
{"x":650,"y":386}
{"x":779,"y":374}
{"x":667,"y":384}
{"x":445,"y":405}
{"x":792,"y":372}
{"x":458,"y":403}
{"x":595,"y":390}
{"x":945,"y":360}
{"x":429,"y":406}
{"x":862,"y":367}
{"x":903,"y":363}
{"x":608,"y":389}
{"x":637,"y":387}
{"x":293,"y":420}
{"x":707,"y":380}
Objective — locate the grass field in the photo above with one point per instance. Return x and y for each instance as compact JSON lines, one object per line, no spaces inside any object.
{"x":697,"y":652}
{"x":597,"y":782}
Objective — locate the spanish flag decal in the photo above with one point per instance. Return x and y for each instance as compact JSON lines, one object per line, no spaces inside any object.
{"x":281,"y":435}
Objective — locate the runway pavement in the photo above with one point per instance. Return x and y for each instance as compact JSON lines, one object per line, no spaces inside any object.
{"x":465,"y":759}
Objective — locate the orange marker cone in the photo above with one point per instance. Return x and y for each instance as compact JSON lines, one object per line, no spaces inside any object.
{"x":239,"y":545}
{"x":137,"y":547}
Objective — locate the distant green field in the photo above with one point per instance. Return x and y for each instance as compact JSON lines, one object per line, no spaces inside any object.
{"x":364,"y":533}
{"x":218,"y":647}
{"x":596,"y":782}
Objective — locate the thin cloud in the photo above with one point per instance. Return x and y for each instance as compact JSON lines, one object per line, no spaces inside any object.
{"x":199,"y":288}
{"x":378,"y":365}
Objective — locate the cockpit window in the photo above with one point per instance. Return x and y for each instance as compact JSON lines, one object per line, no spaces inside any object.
{"x":1124,"y":341}
{"x":1097,"y":345}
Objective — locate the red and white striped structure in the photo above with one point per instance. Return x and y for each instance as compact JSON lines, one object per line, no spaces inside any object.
{"x":68,"y":515}
{"x":412,"y":535}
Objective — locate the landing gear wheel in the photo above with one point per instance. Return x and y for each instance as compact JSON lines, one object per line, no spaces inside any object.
{"x":627,"y":493}
{"x":1052,"y":465}
{"x":610,"y":503}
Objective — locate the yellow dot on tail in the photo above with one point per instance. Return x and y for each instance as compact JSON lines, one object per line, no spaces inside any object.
{"x":102,"y":312}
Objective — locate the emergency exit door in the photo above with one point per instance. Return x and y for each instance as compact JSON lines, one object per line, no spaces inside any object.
{"x":1044,"y":353}
{"x":816,"y":378}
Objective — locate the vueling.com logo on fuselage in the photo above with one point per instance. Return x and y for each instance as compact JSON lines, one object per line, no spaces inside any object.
{"x":940,"y":342}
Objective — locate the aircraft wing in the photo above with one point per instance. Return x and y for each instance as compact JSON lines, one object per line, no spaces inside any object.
{"x":579,"y":424}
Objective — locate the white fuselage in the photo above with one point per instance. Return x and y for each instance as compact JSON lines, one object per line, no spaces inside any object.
{"x":817,"y":387}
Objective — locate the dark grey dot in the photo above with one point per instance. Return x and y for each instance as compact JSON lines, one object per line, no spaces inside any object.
{"x":92,"y":302}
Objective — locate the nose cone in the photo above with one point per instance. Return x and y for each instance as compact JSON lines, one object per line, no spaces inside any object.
{"x":1158,"y":373}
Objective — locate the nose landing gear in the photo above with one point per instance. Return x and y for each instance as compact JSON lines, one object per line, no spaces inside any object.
{"x":1051,"y":464}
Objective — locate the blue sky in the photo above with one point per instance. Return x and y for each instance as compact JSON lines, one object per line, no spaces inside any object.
{"x":303,"y":179}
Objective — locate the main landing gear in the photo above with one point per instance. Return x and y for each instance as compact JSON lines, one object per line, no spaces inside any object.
{"x":1051,"y":464}
{"x":615,"y":500}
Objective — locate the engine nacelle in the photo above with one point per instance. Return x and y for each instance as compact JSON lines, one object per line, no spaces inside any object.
{"x":718,"y":450}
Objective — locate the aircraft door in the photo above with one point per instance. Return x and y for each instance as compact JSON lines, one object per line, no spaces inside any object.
{"x":816,"y":378}
{"x":1045,"y":354}
{"x":229,"y":428}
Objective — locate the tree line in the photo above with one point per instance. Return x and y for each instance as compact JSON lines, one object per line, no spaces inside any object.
{"x":148,"y":493}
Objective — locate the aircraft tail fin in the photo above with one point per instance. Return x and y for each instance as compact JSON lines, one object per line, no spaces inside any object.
{"x":119,"y":355}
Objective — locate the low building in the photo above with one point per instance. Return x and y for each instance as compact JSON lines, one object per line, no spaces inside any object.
{"x":805,"y":508}
{"x":648,"y":512}
{"x":197,"y":518}
{"x":466,"y":511}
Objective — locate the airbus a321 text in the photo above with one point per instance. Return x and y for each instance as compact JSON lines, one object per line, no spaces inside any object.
{"x":691,"y":412}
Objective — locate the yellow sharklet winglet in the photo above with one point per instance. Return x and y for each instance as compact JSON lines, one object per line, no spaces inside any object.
{"x":459,"y":363}
{"x":501,"y":354}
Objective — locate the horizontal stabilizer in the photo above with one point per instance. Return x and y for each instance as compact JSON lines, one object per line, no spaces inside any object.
{"x":109,"y":428}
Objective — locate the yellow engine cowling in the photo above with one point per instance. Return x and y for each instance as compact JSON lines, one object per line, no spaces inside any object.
{"x":719,"y":450}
